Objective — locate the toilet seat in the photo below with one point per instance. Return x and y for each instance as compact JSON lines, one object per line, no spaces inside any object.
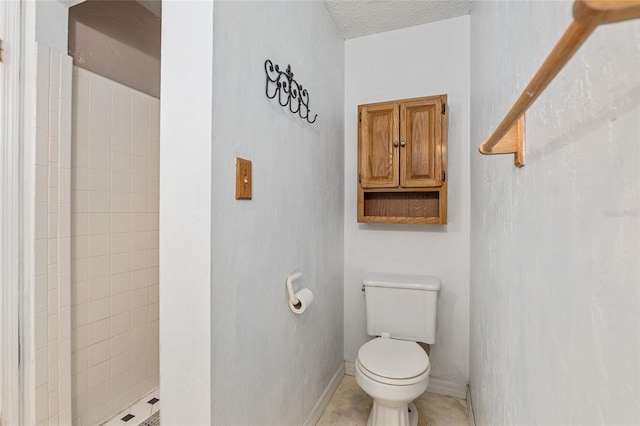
{"x":394,"y":362}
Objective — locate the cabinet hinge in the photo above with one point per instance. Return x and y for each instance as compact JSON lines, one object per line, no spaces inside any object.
{"x":444,"y":108}
{"x":444,"y":175}
{"x":359,"y":178}
{"x":359,"y":117}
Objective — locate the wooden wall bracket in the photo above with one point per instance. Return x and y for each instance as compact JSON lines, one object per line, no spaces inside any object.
{"x":511,"y":143}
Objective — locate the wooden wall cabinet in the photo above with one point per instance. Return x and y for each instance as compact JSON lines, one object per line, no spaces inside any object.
{"x":402,"y":161}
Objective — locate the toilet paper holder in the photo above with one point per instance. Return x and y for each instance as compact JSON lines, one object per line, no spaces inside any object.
{"x":292,"y":298}
{"x":300,"y":300}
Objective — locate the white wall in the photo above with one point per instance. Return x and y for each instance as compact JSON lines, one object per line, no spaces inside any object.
{"x":52,"y":18}
{"x":555,"y":300}
{"x":185,"y":212}
{"x":425,"y":60}
{"x":270,"y":366}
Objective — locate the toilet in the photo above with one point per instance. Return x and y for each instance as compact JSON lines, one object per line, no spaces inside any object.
{"x":392,"y":368}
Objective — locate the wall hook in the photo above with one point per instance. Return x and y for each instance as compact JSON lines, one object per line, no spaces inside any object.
{"x":289,"y":92}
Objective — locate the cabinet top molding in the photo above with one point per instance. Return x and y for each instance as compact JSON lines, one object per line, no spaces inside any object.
{"x":508,"y":137}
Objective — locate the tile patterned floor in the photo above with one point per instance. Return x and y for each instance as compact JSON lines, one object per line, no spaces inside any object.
{"x":350,"y":406}
{"x":138,"y":413}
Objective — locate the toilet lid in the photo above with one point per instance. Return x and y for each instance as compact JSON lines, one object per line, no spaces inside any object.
{"x":394,"y":359}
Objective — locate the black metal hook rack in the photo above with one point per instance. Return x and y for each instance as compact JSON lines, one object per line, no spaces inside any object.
{"x":290,"y":93}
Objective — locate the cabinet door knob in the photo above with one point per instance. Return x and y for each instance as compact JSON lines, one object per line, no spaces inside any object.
{"x":395,"y":143}
{"x":402,"y":143}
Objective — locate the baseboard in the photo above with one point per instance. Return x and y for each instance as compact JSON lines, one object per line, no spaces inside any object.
{"x":472,"y":418}
{"x":442,"y":387}
{"x":349,"y":368}
{"x":325,"y":397}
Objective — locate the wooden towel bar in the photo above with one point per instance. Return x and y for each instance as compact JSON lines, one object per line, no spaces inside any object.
{"x":508,"y":138}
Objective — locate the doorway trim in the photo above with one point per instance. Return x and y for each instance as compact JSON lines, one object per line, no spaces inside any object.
{"x":16,"y":224}
{"x":10,"y":220}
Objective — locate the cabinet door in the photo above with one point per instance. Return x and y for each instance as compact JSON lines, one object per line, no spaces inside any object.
{"x":420,"y":147}
{"x":378,"y":152}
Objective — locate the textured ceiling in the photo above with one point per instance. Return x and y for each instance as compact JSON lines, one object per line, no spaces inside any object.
{"x":357,"y":18}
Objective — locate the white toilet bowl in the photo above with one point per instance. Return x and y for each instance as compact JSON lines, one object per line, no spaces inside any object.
{"x":393,"y":373}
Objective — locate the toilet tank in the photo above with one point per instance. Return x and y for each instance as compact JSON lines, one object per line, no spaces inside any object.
{"x":404,"y":306}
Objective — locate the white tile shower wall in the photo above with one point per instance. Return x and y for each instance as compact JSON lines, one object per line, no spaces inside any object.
{"x":261,"y":351}
{"x":114,"y":246}
{"x":555,"y":301}
{"x":52,"y":299}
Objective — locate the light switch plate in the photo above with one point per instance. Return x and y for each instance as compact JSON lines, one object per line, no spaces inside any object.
{"x":243,"y":179}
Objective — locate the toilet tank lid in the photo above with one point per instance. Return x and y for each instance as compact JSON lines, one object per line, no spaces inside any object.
{"x":415,"y":282}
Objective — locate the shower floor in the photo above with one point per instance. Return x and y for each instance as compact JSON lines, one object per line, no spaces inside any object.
{"x":145,"y":412}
